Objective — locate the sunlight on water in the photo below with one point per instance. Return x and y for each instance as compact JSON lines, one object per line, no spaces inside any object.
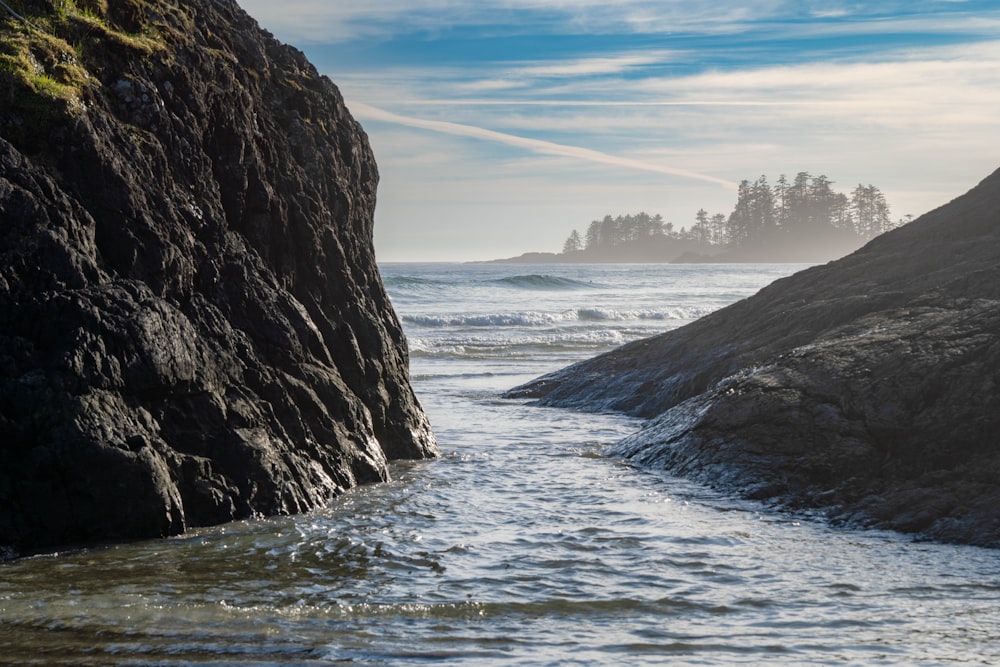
{"x":521,"y":545}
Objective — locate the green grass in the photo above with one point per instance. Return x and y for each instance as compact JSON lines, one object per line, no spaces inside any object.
{"x":51,"y":66}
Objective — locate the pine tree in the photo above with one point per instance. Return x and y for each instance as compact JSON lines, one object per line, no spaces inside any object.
{"x":701,"y":231}
{"x":762,"y":208}
{"x":780,"y":199}
{"x":740,"y":220}
{"x":718,"y":225}
{"x":573,"y":243}
{"x":593,"y":240}
{"x":870,"y":211}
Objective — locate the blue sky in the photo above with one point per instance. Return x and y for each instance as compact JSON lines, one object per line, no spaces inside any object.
{"x":500,"y":127}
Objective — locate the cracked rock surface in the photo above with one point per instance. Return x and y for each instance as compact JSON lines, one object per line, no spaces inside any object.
{"x":192,"y":324}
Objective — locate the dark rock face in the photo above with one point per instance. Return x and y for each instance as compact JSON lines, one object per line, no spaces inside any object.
{"x":192,"y":324}
{"x":867,"y":388}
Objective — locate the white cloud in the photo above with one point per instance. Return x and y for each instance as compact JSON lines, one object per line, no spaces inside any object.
{"x":614,"y":64}
{"x":364,"y":111}
{"x":311,"y":20}
{"x":950,"y":92}
{"x":495,"y":158}
{"x":304,"y":21}
{"x":919,"y":129}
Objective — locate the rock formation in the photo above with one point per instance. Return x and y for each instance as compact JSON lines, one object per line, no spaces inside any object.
{"x":866,"y":389}
{"x":192,"y":324}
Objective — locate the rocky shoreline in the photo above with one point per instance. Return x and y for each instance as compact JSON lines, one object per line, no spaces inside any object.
{"x":866,"y":389}
{"x":193,"y":328}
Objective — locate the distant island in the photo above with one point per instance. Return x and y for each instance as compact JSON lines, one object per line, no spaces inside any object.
{"x":803,"y":220}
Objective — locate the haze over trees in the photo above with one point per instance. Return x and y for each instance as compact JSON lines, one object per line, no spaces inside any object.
{"x":803,"y":212}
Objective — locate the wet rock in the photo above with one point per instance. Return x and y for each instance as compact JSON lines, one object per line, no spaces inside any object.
{"x":867,"y":389}
{"x":192,"y":324}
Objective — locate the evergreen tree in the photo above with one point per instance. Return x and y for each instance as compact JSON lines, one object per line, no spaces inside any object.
{"x":701,"y":217}
{"x":871,"y":211}
{"x":593,"y":239}
{"x":780,"y":199}
{"x":822,"y":203}
{"x":797,"y":206}
{"x":657,"y":225}
{"x":718,"y":225}
{"x":608,"y":232}
{"x":573,"y":243}
{"x":842,"y":216}
{"x":740,"y":220}
{"x":762,"y":208}
{"x":701,"y":231}
{"x":809,"y":203}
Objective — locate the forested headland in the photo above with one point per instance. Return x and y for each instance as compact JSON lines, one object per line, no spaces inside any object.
{"x":798,"y":220}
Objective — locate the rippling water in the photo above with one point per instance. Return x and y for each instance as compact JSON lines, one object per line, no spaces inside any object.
{"x":522,"y":545}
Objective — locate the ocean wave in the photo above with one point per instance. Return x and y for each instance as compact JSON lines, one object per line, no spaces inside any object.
{"x":585,"y":344}
{"x":607,"y":314}
{"x":527,"y":318}
{"x":411,"y":282}
{"x":542,"y":282}
{"x":535,"y":318}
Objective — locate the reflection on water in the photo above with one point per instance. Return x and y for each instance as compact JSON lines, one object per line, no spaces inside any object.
{"x":522,"y":545}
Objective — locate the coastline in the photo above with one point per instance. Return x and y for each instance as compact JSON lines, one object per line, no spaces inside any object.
{"x":863,"y":388}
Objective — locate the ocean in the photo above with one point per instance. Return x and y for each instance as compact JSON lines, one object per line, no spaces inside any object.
{"x":523,"y":544}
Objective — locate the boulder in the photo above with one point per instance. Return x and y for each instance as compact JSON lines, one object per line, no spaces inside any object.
{"x":193,"y":328}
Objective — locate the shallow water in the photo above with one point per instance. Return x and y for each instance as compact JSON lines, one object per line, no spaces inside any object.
{"x":521,"y":545}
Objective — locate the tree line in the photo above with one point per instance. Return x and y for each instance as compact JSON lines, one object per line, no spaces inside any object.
{"x":806,"y":206}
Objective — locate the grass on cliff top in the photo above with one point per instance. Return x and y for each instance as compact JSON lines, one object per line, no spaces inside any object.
{"x":53,"y":58}
{"x":47,"y":56}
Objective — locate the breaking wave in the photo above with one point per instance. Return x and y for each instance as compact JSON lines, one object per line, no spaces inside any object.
{"x":411,"y":282}
{"x":537,"y":318}
{"x":543,"y":282}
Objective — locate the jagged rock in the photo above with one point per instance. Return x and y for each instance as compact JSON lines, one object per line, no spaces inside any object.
{"x":867,"y":389}
{"x":192,"y":324}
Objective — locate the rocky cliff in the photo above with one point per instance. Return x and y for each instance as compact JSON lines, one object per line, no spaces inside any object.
{"x":866,"y":389}
{"x":192,"y":325}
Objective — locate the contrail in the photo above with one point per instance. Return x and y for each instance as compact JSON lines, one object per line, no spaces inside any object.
{"x":533,"y":145}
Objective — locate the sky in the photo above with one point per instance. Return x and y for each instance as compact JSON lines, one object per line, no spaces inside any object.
{"x":501,"y":127}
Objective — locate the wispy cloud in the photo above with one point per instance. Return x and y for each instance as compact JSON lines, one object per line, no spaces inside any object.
{"x":327,"y":22}
{"x":592,"y":66}
{"x":339,"y":21}
{"x":534,"y":145}
{"x":548,"y":112}
{"x":944,"y":91}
